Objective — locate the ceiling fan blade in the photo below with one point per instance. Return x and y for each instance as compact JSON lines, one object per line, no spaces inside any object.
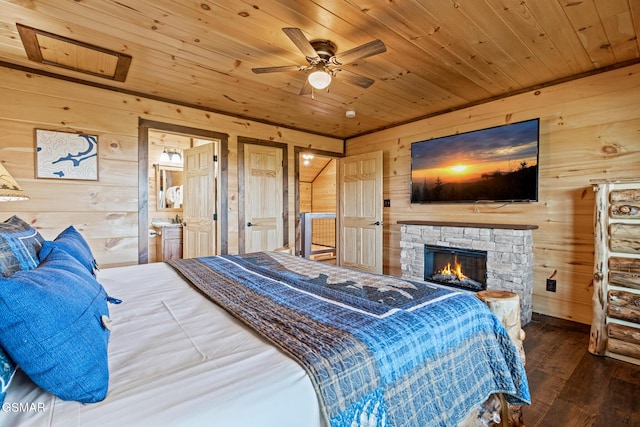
{"x":301,"y":42}
{"x":306,"y":88}
{"x":355,"y":79}
{"x":278,"y":69}
{"x":368,"y":49}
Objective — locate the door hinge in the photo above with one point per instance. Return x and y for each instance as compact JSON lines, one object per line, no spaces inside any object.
{"x":215,"y":157}
{"x":215,"y":216}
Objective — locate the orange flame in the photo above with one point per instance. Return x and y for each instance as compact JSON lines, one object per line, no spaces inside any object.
{"x":457,"y":270}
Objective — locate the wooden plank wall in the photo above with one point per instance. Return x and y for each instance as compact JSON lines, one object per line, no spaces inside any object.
{"x":319,"y":195}
{"x":305,"y":196}
{"x":323,"y":198}
{"x":590,"y":129}
{"x":106,"y":211}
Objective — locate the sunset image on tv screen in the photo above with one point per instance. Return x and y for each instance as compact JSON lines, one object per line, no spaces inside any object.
{"x":495,"y":164}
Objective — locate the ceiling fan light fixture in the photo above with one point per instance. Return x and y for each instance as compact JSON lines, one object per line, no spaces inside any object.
{"x":319,"y":79}
{"x":322,"y":57}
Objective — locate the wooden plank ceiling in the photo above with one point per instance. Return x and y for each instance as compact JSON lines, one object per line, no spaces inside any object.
{"x":441,"y":55}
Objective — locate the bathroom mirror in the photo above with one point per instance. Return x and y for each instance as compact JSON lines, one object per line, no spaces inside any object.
{"x":169,"y":187}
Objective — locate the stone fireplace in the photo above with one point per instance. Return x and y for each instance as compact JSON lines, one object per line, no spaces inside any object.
{"x":504,"y":251}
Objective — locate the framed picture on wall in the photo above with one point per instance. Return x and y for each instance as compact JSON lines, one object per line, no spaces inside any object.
{"x":66,"y":155}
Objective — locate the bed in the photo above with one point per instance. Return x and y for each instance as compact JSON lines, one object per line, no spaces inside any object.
{"x":224,"y":341}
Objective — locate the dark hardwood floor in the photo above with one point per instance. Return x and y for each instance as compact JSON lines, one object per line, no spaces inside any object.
{"x":571,"y":387}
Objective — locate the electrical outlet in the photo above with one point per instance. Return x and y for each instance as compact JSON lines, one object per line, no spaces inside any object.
{"x":551,"y":285}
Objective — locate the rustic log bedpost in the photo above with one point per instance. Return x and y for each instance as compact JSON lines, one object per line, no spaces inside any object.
{"x":615,"y":323}
{"x":597,"y":338}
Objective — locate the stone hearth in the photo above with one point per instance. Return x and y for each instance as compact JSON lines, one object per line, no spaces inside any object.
{"x":509,"y":253}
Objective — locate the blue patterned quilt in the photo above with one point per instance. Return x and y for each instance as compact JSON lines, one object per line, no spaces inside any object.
{"x":379,"y":350}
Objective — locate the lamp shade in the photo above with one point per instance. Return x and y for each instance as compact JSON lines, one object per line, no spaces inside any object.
{"x":164,"y":157}
{"x":319,"y":79}
{"x":176,"y":157}
{"x":9,"y":189}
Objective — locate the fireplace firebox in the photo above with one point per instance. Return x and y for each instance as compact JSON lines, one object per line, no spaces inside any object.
{"x":456,"y":267}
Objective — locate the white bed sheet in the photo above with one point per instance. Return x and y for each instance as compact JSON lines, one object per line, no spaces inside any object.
{"x":177,"y":359}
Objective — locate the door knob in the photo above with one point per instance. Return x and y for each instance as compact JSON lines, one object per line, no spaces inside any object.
{"x":377,"y":223}
{"x":249,"y":224}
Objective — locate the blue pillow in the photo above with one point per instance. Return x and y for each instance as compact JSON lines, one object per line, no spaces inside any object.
{"x":53,"y":324}
{"x":19,"y":246}
{"x":7,"y":369}
{"x":72,"y":242}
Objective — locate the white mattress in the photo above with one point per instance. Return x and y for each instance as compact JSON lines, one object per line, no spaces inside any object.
{"x":177,"y":359}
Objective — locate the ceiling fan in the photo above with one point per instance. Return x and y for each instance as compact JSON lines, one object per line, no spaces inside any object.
{"x":326,"y":63}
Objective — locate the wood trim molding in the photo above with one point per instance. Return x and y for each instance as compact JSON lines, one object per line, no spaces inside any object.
{"x":296,"y":172}
{"x":141,"y":94}
{"x":144,"y":125}
{"x":74,"y":51}
{"x":143,"y":193}
{"x":45,"y":73}
{"x":470,"y":225}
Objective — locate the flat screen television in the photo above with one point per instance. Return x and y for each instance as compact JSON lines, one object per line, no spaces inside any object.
{"x":498,"y":164}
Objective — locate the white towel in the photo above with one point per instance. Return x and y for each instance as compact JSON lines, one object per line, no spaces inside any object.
{"x":171,"y":196}
{"x":179,"y":192}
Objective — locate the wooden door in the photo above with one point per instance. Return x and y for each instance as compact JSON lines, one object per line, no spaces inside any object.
{"x":199,"y":231}
{"x":263,"y":194}
{"x":360,"y":212}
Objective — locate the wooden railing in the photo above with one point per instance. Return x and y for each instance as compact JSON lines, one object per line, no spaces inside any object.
{"x":318,"y":235}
